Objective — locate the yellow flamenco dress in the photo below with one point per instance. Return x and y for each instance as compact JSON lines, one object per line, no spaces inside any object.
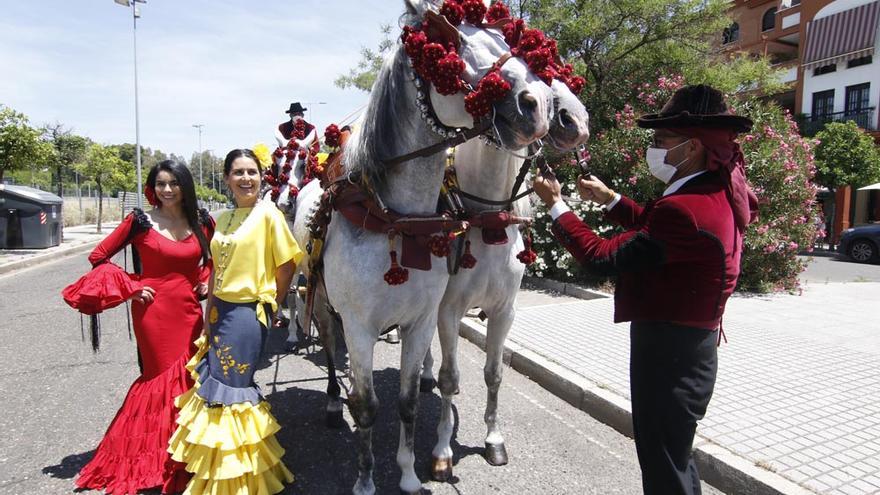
{"x":226,"y":432}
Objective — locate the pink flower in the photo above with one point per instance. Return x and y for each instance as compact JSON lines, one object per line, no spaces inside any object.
{"x":633,"y":179}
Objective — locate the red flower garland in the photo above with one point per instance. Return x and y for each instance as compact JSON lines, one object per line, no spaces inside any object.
{"x":291,"y":152}
{"x":441,"y":65}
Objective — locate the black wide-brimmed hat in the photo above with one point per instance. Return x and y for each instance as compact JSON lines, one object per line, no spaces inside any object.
{"x":696,"y":106}
{"x":296,"y":108}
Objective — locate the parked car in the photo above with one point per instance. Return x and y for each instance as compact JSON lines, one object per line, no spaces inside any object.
{"x":861,"y":243}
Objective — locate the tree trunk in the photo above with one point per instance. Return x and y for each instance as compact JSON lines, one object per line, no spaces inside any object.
{"x":2,"y":171}
{"x":100,"y":203}
{"x":60,"y":181}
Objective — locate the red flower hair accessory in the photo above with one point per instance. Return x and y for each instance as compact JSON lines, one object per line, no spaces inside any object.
{"x":150,"y":193}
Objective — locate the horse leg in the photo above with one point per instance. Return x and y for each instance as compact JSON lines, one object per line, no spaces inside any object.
{"x":497,"y":328}
{"x":448,"y":320}
{"x":426,"y":381}
{"x":416,"y":341}
{"x":327,"y":324}
{"x":362,"y":403}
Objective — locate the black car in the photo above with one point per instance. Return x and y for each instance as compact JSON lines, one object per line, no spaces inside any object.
{"x":861,"y":243}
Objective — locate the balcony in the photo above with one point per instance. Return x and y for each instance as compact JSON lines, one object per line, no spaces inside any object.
{"x":811,"y":124}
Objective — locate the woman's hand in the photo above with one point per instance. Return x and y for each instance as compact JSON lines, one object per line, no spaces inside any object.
{"x":201,"y":289}
{"x":547,"y":188}
{"x":592,"y":189}
{"x":145,"y":295}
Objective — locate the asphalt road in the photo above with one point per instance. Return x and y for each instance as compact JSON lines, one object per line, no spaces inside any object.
{"x":59,"y":398}
{"x":824,"y":267}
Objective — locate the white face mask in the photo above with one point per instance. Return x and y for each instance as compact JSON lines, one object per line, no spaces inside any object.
{"x":656,"y":158}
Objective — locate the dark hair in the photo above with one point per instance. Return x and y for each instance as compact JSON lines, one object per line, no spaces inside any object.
{"x":696,"y":100}
{"x":188,"y":191}
{"x":239,"y":153}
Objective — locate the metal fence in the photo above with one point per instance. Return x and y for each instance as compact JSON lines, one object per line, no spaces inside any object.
{"x":864,"y":118}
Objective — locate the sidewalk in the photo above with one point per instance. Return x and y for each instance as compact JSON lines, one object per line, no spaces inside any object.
{"x":796,"y":407}
{"x":77,"y":240}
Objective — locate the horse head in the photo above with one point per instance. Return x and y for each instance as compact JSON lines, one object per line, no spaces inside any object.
{"x":570,"y":127}
{"x":523,"y":114}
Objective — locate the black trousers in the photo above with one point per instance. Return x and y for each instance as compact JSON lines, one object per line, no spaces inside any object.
{"x":672,"y":375}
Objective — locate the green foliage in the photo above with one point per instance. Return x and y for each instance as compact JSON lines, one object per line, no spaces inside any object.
{"x":103,"y":165}
{"x":21,"y":146}
{"x":364,"y":75}
{"x":618,"y":44}
{"x":208,"y":194}
{"x":846,"y":155}
{"x":779,"y":166}
{"x":69,"y":149}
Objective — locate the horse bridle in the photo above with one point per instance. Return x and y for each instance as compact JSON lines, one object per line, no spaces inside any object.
{"x":454,"y":137}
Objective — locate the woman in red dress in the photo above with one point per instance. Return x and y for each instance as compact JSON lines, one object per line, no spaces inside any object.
{"x":171,"y":242}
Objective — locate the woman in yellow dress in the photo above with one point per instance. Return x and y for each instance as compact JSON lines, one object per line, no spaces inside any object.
{"x":226,"y":434}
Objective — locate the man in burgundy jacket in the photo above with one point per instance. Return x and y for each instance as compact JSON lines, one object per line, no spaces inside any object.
{"x":676,"y":265}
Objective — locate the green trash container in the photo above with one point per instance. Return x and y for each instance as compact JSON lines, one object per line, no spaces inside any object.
{"x":29,"y":218}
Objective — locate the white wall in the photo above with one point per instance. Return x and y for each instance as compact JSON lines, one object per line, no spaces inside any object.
{"x":843,"y":77}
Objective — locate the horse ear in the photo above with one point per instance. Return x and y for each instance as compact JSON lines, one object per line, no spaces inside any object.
{"x":418,"y":8}
{"x":439,"y":28}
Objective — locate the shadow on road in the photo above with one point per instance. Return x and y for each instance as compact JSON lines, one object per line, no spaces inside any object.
{"x":69,"y":466}
{"x":324,"y":460}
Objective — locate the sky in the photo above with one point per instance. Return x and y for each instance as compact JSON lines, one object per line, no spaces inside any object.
{"x":234,"y":66}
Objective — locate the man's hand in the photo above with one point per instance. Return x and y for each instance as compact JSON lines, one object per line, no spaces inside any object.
{"x":592,"y":189}
{"x":547,"y":188}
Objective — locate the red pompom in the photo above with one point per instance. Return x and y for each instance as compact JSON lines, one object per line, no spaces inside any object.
{"x":453,"y":11}
{"x":527,"y":256}
{"x":467,"y":259}
{"x":332,"y":135}
{"x":396,"y":275}
{"x":290,"y":153}
{"x":292,"y":145}
{"x":302,"y":154}
{"x":440,"y":245}
{"x":278,"y":152}
{"x":474,"y":10}
{"x":497,"y":11}
{"x":577,"y":84}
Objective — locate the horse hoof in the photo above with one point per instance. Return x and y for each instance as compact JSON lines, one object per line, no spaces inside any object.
{"x":441,"y":469}
{"x":334,"y":419}
{"x":426,"y":385}
{"x":496,"y":454}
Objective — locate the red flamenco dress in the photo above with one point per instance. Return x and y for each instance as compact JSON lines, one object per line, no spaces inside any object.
{"x":134,"y":454}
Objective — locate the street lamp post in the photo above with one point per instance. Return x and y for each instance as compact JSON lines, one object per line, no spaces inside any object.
{"x":310,"y":103}
{"x":135,"y":13}
{"x":199,"y":127}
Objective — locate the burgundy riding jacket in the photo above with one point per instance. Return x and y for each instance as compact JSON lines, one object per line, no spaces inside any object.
{"x":678,"y":260}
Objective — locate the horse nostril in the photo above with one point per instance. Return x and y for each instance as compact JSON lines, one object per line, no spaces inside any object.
{"x":527,"y":102}
{"x":566,"y":120}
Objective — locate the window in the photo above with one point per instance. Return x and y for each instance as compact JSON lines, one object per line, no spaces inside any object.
{"x":859,"y":61}
{"x":730,"y":34}
{"x":825,"y":69}
{"x":768,"y":22}
{"x":823,"y":104}
{"x":857,"y":97}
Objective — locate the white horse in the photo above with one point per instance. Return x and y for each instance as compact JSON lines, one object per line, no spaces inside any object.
{"x":355,"y":259}
{"x":493,"y":283}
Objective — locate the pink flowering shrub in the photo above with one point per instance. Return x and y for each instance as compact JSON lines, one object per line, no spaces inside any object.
{"x":779,"y":165}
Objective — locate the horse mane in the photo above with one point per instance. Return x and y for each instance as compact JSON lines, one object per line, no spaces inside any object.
{"x":380,"y":133}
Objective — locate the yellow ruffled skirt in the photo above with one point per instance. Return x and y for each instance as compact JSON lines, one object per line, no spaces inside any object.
{"x":230,"y":450}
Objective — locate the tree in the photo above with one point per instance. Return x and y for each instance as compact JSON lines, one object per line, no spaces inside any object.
{"x":20,"y":144}
{"x":364,"y":75}
{"x":103,"y":165}
{"x":846,"y":156}
{"x":69,"y":149}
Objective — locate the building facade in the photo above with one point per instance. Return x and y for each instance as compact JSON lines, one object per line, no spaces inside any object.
{"x":825,"y":50}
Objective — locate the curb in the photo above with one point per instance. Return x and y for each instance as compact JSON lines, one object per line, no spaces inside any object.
{"x":42,"y":258}
{"x":565,"y":288}
{"x":720,"y":467}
